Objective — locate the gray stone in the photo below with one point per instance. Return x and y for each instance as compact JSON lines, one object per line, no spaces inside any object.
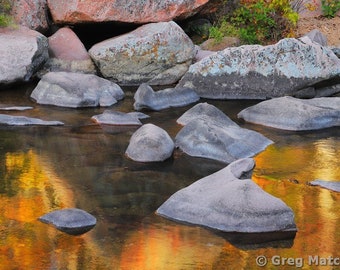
{"x":229,"y":202}
{"x":149,"y":144}
{"x":25,"y":121}
{"x":336,"y":51}
{"x":71,"y":220}
{"x":331,"y":185}
{"x":117,"y":118}
{"x":146,"y":98}
{"x":210,"y":139}
{"x":316,"y":36}
{"x":295,"y":114}
{"x":15,"y":108}
{"x":259,"y":72}
{"x":76,"y":90}
{"x":23,"y":52}
{"x":205,"y":112}
{"x":156,"y":53}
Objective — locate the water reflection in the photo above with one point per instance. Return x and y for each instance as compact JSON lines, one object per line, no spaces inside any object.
{"x":83,"y":165}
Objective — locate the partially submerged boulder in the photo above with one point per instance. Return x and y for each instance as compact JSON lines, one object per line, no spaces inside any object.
{"x":295,"y":114}
{"x":260,"y":72}
{"x":11,"y":120}
{"x":212,"y":134}
{"x":146,"y":98}
{"x":73,"y":221}
{"x":229,"y":202}
{"x":331,"y":185}
{"x":156,"y":53}
{"x":150,"y":144}
{"x":117,"y":118}
{"x":23,"y":52}
{"x":76,"y":90}
{"x":205,"y":112}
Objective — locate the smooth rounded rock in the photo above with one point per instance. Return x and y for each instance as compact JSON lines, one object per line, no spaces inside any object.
{"x":73,"y":221}
{"x":150,"y":144}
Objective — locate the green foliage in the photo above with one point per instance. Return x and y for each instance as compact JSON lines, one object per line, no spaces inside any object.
{"x":5,"y":8}
{"x":330,"y":8}
{"x":258,"y":22}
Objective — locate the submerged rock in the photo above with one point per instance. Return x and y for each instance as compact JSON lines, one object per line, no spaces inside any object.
{"x":117,"y":118}
{"x":260,"y":72}
{"x":23,"y":52}
{"x":76,"y":90}
{"x":229,"y":202}
{"x":212,"y":134}
{"x":146,"y":98}
{"x":150,"y":143}
{"x":26,"y":121}
{"x":331,"y":185}
{"x":295,"y":114}
{"x":72,"y":220}
{"x":156,"y":53}
{"x":15,"y":108}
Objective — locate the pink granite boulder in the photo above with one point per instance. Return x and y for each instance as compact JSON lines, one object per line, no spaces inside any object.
{"x":80,"y":11}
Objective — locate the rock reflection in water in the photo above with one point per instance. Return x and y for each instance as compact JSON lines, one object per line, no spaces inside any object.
{"x":82,"y":165}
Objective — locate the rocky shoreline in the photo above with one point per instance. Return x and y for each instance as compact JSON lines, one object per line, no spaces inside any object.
{"x":161,"y":53}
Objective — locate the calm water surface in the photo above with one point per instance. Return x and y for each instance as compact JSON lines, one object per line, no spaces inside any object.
{"x":83,"y":165}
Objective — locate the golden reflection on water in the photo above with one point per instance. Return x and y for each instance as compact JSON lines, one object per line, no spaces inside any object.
{"x":31,"y":188}
{"x":26,"y":243}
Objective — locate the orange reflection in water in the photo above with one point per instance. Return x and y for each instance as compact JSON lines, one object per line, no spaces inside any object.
{"x":26,"y":243}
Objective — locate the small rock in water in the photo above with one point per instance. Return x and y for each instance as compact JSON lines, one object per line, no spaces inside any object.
{"x":26,"y":121}
{"x":331,"y":185}
{"x":72,"y":220}
{"x":117,"y":118}
{"x":16,"y":108}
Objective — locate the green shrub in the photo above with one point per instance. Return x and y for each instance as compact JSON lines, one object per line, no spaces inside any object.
{"x":5,"y":8}
{"x":330,"y":8}
{"x":258,"y":22}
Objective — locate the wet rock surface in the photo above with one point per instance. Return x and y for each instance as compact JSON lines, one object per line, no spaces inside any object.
{"x":295,"y":114}
{"x":150,"y":143}
{"x":146,"y":98}
{"x":227,"y":201}
{"x":73,"y":221}
{"x":76,"y":90}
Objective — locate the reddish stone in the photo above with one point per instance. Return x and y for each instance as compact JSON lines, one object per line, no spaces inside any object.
{"x":65,"y":45}
{"x":80,"y":11}
{"x":31,"y":13}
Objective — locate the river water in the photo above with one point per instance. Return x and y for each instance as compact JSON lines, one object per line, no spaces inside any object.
{"x":83,"y":165}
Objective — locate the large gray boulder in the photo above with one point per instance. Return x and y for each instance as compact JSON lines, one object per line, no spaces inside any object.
{"x":146,"y":98}
{"x":73,"y":221}
{"x":229,"y":202}
{"x":150,"y":144}
{"x":23,"y":52}
{"x":260,"y":72}
{"x":76,"y":90}
{"x":295,"y":114}
{"x":156,"y":53}
{"x":211,"y":135}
